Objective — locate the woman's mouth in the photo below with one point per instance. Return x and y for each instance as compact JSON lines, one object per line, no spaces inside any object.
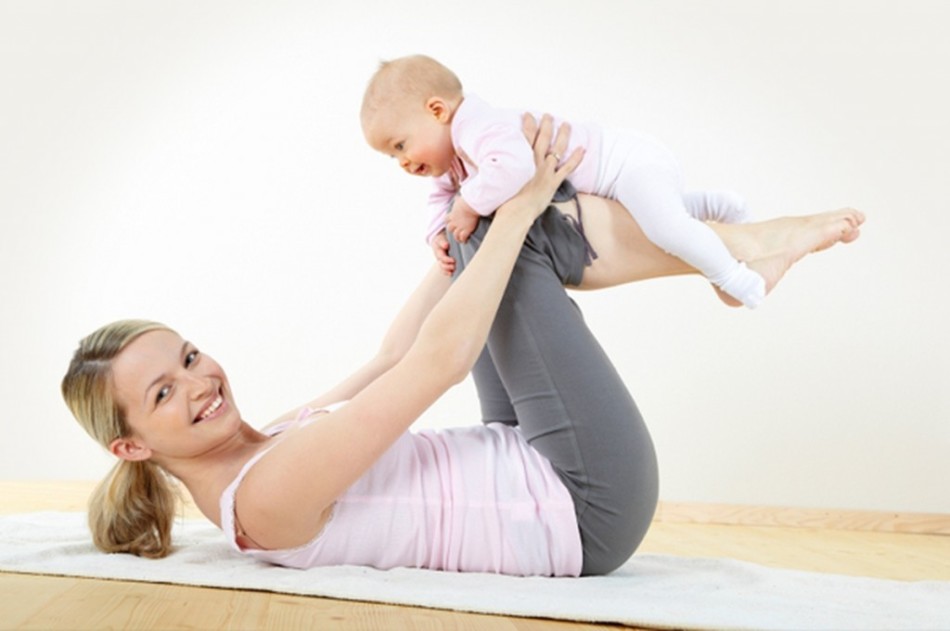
{"x":211,"y":409}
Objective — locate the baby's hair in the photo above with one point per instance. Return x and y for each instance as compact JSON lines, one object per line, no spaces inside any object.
{"x":416,"y":77}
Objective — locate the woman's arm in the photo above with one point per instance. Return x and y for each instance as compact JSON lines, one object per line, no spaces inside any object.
{"x":285,"y":497}
{"x":396,"y":342}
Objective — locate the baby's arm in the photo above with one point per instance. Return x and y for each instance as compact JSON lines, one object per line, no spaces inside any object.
{"x":440,"y":248}
{"x":462,"y":220}
{"x":440,"y":199}
{"x":504,"y":163}
{"x":444,"y":191}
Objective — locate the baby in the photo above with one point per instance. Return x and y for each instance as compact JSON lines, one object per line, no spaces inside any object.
{"x":414,"y":110}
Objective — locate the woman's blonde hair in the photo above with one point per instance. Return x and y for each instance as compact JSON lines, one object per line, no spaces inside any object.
{"x":132,"y":509}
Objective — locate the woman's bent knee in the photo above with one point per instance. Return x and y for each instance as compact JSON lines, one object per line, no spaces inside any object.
{"x":613,"y":525}
{"x":612,"y":549}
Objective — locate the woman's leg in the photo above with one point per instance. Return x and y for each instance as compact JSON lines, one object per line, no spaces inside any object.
{"x":769,"y":247}
{"x":492,"y":395}
{"x":570,"y":403}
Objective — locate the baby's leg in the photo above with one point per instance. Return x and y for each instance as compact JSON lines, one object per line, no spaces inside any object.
{"x":718,"y":206}
{"x":652,"y":195}
{"x":770,"y":247}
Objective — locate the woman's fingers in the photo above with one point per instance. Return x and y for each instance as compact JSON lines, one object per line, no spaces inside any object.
{"x":560,"y":141}
{"x":540,"y":134}
{"x":572,"y":161}
{"x":542,"y":141}
{"x":562,"y":167}
{"x":529,"y":127}
{"x":546,"y":143}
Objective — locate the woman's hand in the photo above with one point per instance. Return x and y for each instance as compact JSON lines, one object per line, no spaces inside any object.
{"x":539,"y":136}
{"x":552,"y":168}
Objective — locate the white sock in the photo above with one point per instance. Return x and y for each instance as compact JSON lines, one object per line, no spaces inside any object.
{"x":721,"y":206}
{"x":743,"y":284}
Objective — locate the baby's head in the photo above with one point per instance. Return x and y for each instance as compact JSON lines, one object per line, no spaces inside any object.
{"x":407,"y":113}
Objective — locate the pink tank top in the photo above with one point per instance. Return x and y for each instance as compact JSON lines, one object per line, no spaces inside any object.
{"x":471,"y":499}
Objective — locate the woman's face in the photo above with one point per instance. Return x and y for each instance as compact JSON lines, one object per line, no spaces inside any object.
{"x":177,"y":402}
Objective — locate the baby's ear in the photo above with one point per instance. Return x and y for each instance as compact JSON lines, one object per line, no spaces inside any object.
{"x":437,"y":106}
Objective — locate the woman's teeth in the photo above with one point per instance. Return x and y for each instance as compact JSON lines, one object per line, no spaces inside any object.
{"x":211,"y":409}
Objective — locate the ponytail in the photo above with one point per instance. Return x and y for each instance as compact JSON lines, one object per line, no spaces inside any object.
{"x":132,"y":510}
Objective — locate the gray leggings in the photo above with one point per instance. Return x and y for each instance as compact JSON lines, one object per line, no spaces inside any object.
{"x":544,"y":371}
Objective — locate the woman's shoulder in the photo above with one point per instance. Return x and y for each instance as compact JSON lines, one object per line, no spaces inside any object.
{"x":268,"y":486}
{"x":297,"y":416}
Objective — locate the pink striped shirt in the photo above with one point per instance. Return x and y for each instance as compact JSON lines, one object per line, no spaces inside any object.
{"x":471,"y":499}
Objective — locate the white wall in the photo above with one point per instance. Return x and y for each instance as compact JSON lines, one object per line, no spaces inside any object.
{"x":200,"y":163}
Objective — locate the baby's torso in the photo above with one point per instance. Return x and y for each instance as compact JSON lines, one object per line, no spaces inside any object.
{"x":476,"y":122}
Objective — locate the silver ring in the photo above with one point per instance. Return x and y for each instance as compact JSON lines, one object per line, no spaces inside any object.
{"x":556,"y":155}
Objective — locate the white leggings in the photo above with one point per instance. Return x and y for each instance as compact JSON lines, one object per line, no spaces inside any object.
{"x":645,"y":177}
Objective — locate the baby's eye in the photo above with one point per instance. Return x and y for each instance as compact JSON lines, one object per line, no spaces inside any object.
{"x":399,"y":146}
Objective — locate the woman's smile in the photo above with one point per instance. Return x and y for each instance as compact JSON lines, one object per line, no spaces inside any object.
{"x":214,"y":409}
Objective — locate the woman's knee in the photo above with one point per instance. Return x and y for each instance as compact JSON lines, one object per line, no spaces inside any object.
{"x":613,"y":546}
{"x":617,"y":518}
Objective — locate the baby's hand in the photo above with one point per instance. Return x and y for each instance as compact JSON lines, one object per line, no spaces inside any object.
{"x":462,"y":220}
{"x":440,"y":247}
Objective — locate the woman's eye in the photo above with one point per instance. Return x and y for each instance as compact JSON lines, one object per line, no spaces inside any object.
{"x":162,"y":394}
{"x":191,"y":358}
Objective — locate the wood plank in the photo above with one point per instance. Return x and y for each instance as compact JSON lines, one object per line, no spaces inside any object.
{"x":833,"y":519}
{"x":71,"y":603}
{"x":898,"y":556}
{"x":822,"y":541}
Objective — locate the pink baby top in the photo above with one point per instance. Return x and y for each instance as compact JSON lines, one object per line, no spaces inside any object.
{"x":494,"y":160}
{"x":472,"y":499}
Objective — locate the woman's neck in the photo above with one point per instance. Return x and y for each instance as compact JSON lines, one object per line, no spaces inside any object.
{"x":206,"y":476}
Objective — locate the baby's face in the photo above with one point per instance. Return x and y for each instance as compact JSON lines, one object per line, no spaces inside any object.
{"x":416,"y":138}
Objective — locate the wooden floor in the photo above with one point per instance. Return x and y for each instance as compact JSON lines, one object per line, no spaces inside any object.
{"x":45,"y":602}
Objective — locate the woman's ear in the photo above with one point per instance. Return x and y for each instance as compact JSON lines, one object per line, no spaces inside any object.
{"x":437,"y":107}
{"x":129,"y":449}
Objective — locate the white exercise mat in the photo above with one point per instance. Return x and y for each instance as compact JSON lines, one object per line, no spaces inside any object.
{"x":650,"y":590}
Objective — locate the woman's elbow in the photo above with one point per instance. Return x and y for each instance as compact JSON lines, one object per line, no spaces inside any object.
{"x":452,"y":362}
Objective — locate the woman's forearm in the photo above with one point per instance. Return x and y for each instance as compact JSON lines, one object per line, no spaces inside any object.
{"x":397,"y":340}
{"x":456,"y":329}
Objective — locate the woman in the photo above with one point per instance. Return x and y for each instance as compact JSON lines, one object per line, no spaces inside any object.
{"x":571,"y":491}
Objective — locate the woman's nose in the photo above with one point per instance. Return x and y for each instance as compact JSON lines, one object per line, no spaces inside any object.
{"x":199,"y":386}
